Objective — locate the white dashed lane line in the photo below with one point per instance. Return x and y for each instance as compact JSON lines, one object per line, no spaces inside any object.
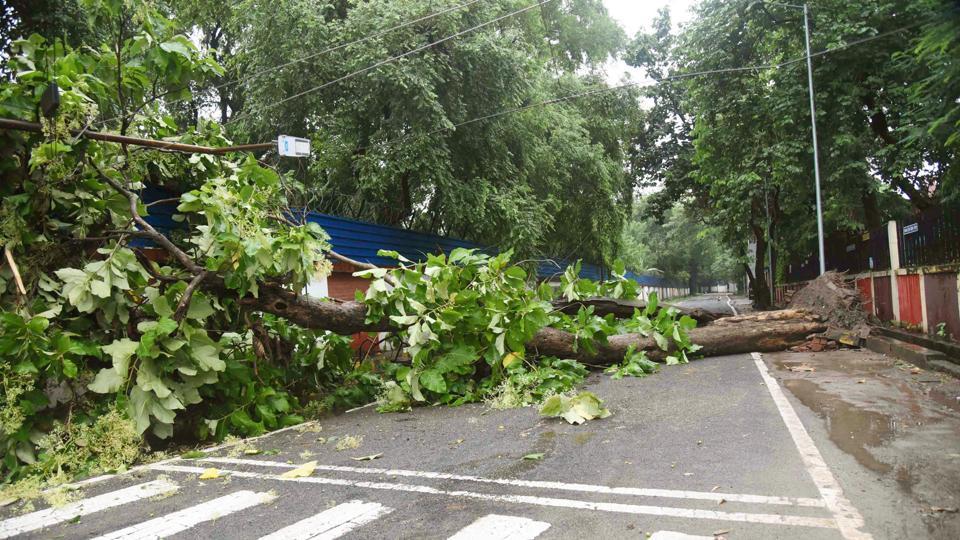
{"x":52,"y":516}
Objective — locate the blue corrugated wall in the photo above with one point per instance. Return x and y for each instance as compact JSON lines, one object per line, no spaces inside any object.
{"x":360,"y":241}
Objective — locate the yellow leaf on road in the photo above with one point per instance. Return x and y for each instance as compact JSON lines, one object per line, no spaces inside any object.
{"x":304,"y":470}
{"x":210,"y":474}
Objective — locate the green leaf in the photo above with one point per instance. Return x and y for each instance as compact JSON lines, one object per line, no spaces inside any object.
{"x":107,"y":381}
{"x":120,"y":352}
{"x":433,"y":380}
{"x":176,"y":47}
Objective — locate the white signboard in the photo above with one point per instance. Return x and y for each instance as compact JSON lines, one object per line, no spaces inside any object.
{"x":293,"y":146}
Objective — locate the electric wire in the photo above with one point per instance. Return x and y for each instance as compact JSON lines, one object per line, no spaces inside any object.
{"x":394,"y":58}
{"x":271,"y":69}
{"x":643,"y":83}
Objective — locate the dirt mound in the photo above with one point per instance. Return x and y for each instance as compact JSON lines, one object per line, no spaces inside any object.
{"x":835,"y":300}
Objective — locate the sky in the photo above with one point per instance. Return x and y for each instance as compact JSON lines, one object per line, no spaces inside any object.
{"x":635,"y":15}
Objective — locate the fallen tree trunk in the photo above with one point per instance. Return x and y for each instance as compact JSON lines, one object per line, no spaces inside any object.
{"x":761,"y":336}
{"x":768,"y":316}
{"x":623,"y":309}
{"x":765,"y":332}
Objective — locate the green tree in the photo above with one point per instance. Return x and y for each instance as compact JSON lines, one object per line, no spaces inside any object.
{"x":385,"y":146}
{"x":737,"y":144}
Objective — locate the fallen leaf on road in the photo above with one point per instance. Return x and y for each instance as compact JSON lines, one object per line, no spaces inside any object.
{"x":210,"y":474}
{"x":915,"y":370}
{"x":861,"y":381}
{"x":718,"y":533}
{"x":348,"y":442}
{"x":950,"y":510}
{"x":371,"y":457}
{"x":688,"y":474}
{"x":251,"y":452}
{"x":801,"y":368}
{"x":302,"y":471}
{"x":193,"y":454}
{"x":535,"y":457}
{"x":721,"y":501}
{"x":714,"y":488}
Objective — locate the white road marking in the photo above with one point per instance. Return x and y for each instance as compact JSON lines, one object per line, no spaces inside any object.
{"x":848,"y":519}
{"x":497,"y":527}
{"x":641,"y":492}
{"x":771,"y":519}
{"x":210,"y":450}
{"x":671,"y":535}
{"x":332,"y":523}
{"x":182,"y":520}
{"x":52,"y":516}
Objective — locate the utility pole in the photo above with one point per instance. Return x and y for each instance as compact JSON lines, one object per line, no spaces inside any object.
{"x":813,"y":125}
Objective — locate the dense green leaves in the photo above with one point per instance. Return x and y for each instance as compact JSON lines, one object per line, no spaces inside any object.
{"x":465,"y":321}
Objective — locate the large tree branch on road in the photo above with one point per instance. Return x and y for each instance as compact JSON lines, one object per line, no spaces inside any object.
{"x":623,"y":309}
{"x":753,"y":334}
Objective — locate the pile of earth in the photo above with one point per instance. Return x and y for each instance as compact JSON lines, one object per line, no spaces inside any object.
{"x":836,"y":300}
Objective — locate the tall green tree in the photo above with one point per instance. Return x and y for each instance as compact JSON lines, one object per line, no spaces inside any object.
{"x":737,"y":144}
{"x":546,"y":181}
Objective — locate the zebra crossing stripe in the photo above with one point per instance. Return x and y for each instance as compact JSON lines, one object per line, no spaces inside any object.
{"x":52,"y":516}
{"x":182,"y":520}
{"x":332,"y":523}
{"x":497,"y":527}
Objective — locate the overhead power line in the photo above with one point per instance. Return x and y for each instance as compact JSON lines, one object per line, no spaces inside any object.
{"x":174,"y":146}
{"x":395,"y":58}
{"x":328,"y":50}
{"x":644,"y":83}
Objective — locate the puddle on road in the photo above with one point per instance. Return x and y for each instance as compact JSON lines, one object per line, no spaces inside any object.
{"x":851,"y":428}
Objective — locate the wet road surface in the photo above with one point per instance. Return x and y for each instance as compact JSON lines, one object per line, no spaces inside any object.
{"x":793,"y":445}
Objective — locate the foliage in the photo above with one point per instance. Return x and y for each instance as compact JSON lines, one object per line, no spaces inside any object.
{"x":531,"y":383}
{"x":635,"y":364}
{"x":679,"y":245}
{"x":735,"y":147}
{"x":385,"y":149}
{"x":103,"y":333}
{"x":465,"y":320}
{"x":574,"y":409}
{"x":124,"y":334}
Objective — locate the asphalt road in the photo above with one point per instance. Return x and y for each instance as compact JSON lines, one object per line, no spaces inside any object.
{"x":715,"y":447}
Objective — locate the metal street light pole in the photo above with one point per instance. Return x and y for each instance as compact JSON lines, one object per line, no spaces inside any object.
{"x":813,"y":124}
{"x":816,"y":155}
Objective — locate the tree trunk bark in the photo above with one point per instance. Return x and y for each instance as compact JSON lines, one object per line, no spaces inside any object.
{"x":623,"y":309}
{"x":759,"y":336}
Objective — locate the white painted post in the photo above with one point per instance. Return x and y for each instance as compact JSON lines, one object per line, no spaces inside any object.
{"x":893,"y":245}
